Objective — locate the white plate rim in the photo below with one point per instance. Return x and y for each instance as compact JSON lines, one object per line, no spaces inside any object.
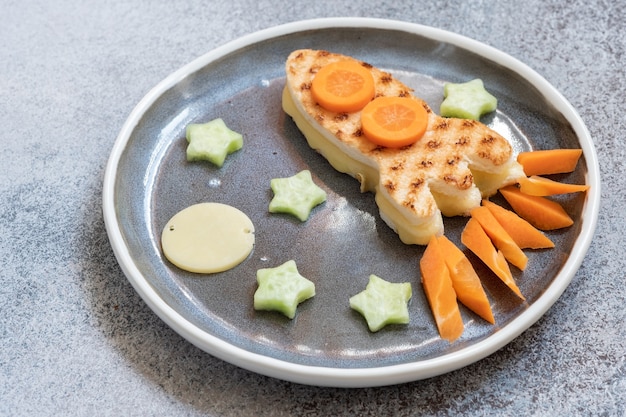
{"x":360,"y":377}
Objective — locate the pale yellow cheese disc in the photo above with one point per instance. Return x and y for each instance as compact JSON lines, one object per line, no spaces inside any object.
{"x":208,"y":238}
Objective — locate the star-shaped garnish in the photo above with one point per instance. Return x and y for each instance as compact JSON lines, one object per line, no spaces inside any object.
{"x":467,"y":100}
{"x":296,"y":195}
{"x":282,"y":289}
{"x":212,"y":142}
{"x":383,"y":303}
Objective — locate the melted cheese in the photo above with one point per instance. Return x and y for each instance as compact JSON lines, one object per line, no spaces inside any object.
{"x":208,"y":238}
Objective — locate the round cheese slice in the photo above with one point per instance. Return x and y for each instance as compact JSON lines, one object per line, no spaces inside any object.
{"x":208,"y":238}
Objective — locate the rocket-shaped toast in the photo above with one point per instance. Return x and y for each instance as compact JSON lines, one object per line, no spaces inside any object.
{"x":448,"y":170}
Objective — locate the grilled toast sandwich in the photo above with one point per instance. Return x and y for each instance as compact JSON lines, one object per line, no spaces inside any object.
{"x":455,"y":164}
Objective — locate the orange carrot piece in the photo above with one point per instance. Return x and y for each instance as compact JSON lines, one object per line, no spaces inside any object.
{"x":540,"y":186}
{"x":440,"y":293}
{"x":525,"y":235}
{"x":500,"y":237}
{"x":541,"y":212}
{"x":474,"y":237}
{"x":465,"y":281}
{"x":552,"y":161}
{"x":394,"y":121}
{"x":343,"y":86}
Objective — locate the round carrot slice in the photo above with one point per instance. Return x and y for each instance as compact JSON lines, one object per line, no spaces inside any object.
{"x":343,"y":86}
{"x":394,"y":121}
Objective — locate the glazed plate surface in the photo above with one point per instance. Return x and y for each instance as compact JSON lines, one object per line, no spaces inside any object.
{"x":148,"y":180}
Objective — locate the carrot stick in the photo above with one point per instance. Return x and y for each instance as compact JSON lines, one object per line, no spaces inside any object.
{"x":474,"y":237}
{"x":465,"y":281}
{"x":540,"y":186}
{"x":541,"y":212}
{"x":499,"y":236}
{"x":440,"y":293}
{"x":552,"y":161}
{"x":525,"y":235}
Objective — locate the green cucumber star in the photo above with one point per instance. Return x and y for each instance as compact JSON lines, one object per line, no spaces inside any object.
{"x":383,"y":303}
{"x":212,"y":142}
{"x":467,"y":100}
{"x":282,"y":289}
{"x":296,"y":195}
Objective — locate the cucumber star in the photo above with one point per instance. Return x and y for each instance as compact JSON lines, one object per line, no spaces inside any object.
{"x":383,"y":303}
{"x":296,"y":195}
{"x":467,"y":100}
{"x":211,"y":142}
{"x":282,"y":289}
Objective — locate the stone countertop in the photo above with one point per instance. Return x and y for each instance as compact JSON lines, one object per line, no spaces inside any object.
{"x":76,"y":339}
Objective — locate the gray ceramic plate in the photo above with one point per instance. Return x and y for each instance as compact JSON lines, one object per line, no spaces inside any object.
{"x":148,"y":180}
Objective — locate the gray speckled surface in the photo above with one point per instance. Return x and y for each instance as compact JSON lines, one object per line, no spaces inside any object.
{"x":76,"y":339}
